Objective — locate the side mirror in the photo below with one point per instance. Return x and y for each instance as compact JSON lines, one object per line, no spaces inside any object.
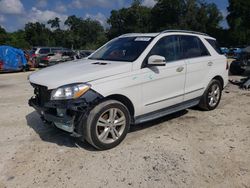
{"x":156,"y":60}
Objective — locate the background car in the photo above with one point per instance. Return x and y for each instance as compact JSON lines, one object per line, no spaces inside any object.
{"x":242,"y":63}
{"x":224,"y":50}
{"x":57,"y":57}
{"x":85,"y":53}
{"x":38,"y":52}
{"x":234,"y":53}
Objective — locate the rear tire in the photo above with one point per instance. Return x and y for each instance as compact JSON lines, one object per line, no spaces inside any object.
{"x":107,"y":125}
{"x":211,"y":97}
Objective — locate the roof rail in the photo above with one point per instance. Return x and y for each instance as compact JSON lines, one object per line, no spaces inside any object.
{"x":184,"y":31}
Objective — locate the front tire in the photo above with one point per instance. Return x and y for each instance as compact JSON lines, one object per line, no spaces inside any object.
{"x":211,"y":97}
{"x":107,"y":125}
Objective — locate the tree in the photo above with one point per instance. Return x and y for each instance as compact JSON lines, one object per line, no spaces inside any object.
{"x":17,"y":39}
{"x":54,"y":23}
{"x":84,"y":33}
{"x":36,"y":34}
{"x":238,"y":20}
{"x":132,"y":19}
{"x":3,"y":36}
{"x":167,"y":14}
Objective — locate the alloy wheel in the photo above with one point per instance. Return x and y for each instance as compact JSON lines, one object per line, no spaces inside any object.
{"x":110,"y":125}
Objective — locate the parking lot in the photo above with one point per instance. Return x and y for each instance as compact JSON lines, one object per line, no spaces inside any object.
{"x":190,"y":148}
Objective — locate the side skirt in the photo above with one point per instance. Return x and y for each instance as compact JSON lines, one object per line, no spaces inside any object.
{"x":166,"y":111}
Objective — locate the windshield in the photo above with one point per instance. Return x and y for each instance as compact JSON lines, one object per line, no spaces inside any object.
{"x":122,"y":49}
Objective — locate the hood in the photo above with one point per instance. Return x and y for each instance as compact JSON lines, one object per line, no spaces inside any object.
{"x":77,"y":72}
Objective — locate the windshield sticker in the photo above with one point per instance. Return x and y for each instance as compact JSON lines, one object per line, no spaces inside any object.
{"x":144,"y":39}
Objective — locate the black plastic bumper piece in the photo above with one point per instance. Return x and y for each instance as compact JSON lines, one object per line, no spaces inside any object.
{"x":76,"y":109}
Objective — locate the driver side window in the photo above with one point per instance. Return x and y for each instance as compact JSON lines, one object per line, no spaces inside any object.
{"x":167,"y":47}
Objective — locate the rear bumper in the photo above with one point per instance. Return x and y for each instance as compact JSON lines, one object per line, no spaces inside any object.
{"x":68,"y":115}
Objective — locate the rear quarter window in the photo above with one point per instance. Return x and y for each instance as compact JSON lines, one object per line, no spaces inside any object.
{"x":215,"y":45}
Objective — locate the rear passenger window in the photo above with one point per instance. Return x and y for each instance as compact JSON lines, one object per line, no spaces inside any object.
{"x":215,"y":45}
{"x":167,"y":47}
{"x":192,"y":47}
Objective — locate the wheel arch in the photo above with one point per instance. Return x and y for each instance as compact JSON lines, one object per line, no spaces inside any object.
{"x":124,"y":100}
{"x":220,"y":79}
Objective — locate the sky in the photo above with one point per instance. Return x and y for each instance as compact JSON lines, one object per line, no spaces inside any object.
{"x":15,"y":13}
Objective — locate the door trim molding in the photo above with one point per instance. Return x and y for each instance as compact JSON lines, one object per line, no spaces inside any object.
{"x":164,"y":100}
{"x":194,"y":91}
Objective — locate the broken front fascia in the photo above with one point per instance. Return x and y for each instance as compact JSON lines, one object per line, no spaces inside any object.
{"x":67,"y":115}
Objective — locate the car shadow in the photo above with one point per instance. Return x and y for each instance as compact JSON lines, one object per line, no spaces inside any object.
{"x":155,"y":122}
{"x":49,"y":133}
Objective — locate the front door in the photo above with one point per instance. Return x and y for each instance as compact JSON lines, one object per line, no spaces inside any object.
{"x":163,"y":86}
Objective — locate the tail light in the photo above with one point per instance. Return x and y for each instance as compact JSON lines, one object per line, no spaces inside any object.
{"x":33,"y":55}
{"x":45,"y":58}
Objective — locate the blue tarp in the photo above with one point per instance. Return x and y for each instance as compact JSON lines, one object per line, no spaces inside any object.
{"x":12,"y":58}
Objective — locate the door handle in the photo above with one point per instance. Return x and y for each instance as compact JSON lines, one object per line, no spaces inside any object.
{"x":179,"y":69}
{"x":210,"y":63}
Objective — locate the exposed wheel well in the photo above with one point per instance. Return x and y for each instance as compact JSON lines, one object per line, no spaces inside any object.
{"x":220,"y":79}
{"x":124,"y":100}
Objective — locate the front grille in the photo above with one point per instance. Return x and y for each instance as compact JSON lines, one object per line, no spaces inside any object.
{"x":42,"y":94}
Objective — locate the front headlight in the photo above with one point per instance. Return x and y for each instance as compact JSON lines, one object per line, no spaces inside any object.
{"x":73,"y":91}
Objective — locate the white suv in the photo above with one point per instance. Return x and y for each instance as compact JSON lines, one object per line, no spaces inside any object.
{"x":132,"y":79}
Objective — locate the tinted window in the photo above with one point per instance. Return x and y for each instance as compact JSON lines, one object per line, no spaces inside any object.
{"x":215,"y":45}
{"x":167,"y":47}
{"x":44,"y":51}
{"x":192,"y":47}
{"x":122,"y":49}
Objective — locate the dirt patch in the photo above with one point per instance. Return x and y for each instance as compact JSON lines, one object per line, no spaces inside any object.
{"x":191,"y":148}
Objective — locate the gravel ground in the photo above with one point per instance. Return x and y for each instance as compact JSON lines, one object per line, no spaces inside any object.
{"x":190,"y":148}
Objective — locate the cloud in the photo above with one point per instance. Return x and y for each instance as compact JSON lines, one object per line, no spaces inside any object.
{"x":11,"y":7}
{"x":99,"y":17}
{"x":37,"y":15}
{"x":60,"y":7}
{"x":79,"y":4}
{"x":42,"y":3}
{"x":148,"y":3}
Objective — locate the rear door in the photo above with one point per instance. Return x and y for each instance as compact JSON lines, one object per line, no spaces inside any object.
{"x":198,"y":61}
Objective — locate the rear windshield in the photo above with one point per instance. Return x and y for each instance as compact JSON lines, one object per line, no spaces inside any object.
{"x":215,"y":45}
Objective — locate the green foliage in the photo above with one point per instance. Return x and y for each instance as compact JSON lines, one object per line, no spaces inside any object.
{"x":36,"y":34}
{"x":54,"y":23}
{"x":3,"y":36}
{"x":239,"y":21}
{"x":166,"y":14}
{"x":82,"y":33}
{"x":126,"y":20}
{"x":17,"y":39}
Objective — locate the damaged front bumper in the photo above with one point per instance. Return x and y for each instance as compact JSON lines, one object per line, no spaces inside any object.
{"x":68,"y":115}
